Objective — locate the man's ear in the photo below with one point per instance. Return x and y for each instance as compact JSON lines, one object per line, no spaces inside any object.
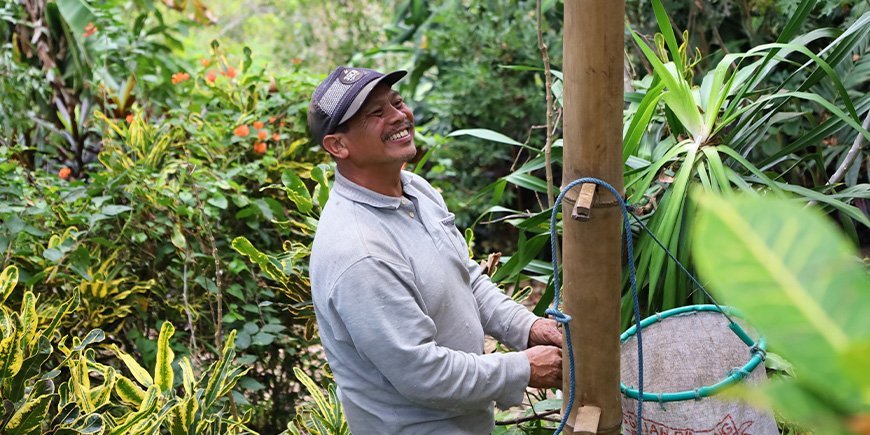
{"x":334,"y":144}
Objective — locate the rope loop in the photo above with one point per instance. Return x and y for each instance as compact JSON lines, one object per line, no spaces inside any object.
{"x":557,"y":288}
{"x":558,"y":316}
{"x":697,"y":394}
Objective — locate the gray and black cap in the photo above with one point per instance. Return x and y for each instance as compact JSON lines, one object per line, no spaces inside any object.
{"x":341,"y":95}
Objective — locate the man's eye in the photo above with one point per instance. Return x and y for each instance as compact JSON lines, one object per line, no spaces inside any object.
{"x":378,"y":112}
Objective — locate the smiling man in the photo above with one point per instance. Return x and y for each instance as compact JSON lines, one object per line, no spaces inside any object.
{"x":401,"y":307}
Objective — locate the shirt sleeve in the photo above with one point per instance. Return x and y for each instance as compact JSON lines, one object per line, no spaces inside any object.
{"x":385,"y":319}
{"x":501,"y":316}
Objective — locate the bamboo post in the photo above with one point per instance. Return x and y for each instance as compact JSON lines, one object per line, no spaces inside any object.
{"x":593,"y":102}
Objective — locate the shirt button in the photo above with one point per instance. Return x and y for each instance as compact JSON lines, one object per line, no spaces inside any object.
{"x":411,"y":213}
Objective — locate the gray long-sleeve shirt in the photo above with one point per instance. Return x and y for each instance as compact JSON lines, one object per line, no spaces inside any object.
{"x":403,"y":310}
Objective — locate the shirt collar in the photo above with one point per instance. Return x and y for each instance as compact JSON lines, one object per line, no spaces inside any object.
{"x":357,"y":193}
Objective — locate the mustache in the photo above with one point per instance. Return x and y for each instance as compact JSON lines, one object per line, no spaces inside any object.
{"x":407,"y":125}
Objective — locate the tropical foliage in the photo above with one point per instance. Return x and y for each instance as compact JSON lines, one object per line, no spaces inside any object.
{"x":159,"y":193}
{"x":54,"y":384}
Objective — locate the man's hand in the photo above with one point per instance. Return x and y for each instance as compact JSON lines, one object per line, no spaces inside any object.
{"x":546,"y":366}
{"x":545,"y":332}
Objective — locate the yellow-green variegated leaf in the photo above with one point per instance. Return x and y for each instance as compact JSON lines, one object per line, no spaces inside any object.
{"x":181,"y":417}
{"x":155,"y":421}
{"x":163,"y":375}
{"x":232,"y":378}
{"x":138,"y":372}
{"x":8,"y":281}
{"x":795,"y":277}
{"x":188,"y":379}
{"x":11,"y":352}
{"x":99,"y":396}
{"x":29,"y":417}
{"x":81,"y":384}
{"x":217,"y":374}
{"x":68,"y":306}
{"x":145,"y":411}
{"x":314,"y":390}
{"x":7,"y":325}
{"x":128,"y":391}
{"x":29,"y":320}
{"x":191,"y":406}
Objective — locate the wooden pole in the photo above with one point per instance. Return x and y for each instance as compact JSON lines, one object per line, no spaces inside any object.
{"x":593,"y":64}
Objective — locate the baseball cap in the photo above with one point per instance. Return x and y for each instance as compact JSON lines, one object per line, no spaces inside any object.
{"x":341,"y":95}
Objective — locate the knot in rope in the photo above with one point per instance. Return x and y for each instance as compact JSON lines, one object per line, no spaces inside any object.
{"x":558,"y":316}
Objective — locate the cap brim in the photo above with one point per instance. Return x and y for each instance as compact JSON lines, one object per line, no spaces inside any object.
{"x":356,"y":104}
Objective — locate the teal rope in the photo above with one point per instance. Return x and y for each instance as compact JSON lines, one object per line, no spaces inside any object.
{"x":563,"y":318}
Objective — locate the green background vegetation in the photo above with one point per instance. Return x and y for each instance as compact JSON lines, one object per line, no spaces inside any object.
{"x":159,"y":193}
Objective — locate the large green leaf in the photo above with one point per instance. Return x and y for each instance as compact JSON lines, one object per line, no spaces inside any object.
{"x":795,"y":277}
{"x":489,"y":135}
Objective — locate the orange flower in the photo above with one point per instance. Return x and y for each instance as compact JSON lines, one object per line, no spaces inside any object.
{"x":260,"y":148}
{"x":242,"y":131}
{"x":64,"y":172}
{"x":262,"y":135}
{"x":210,"y":76}
{"x":230,"y":72}
{"x":271,"y":120}
{"x":276,"y":137}
{"x":258,"y":125}
{"x":283,"y":124}
{"x":296,"y":61}
{"x":90,"y":29}
{"x":204,"y":62}
{"x":129,"y":118}
{"x":180,"y":77}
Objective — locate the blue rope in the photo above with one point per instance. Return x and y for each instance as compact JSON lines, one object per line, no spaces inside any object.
{"x":563,"y":318}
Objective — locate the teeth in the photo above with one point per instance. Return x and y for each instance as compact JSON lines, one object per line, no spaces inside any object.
{"x":399,"y":135}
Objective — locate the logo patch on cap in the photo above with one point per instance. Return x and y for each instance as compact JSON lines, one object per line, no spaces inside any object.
{"x":351,"y":76}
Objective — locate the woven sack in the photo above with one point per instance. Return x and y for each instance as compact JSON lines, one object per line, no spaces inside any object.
{"x":683,"y":353}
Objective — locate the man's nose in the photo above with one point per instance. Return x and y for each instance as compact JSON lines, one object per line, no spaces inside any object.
{"x":395,"y":115}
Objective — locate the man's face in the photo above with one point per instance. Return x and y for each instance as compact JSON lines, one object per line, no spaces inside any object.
{"x":382,"y":132}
